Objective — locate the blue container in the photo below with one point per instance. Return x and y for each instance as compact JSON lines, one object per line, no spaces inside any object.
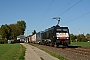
{"x":9,"y":41}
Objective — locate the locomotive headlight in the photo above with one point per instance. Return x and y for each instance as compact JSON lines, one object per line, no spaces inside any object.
{"x":57,"y":37}
{"x":67,"y":37}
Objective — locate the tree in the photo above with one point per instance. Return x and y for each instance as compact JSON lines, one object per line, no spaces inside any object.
{"x":88,"y":36}
{"x":84,"y":39}
{"x":12,"y":31}
{"x":0,"y":31}
{"x":72,"y":37}
{"x":78,"y":38}
{"x":5,"y":31}
{"x":34,"y":32}
{"x":16,"y":30}
{"x":1,"y":36}
{"x":22,"y":25}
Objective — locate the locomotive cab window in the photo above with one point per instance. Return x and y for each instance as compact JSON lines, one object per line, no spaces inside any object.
{"x":65,"y":30}
{"x":62,"y":30}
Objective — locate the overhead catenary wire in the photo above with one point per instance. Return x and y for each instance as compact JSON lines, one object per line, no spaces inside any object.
{"x":46,"y":24}
{"x":62,"y":12}
{"x":64,"y":6}
{"x":78,"y":12}
{"x":46,"y":12}
{"x":59,"y":11}
{"x":48,"y":9}
{"x":70,"y":7}
{"x":76,"y":18}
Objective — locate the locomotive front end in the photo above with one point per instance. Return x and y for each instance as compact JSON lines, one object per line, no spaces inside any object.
{"x":62,"y":36}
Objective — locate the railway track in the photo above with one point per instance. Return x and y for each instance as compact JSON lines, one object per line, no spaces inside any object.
{"x":71,"y":52}
{"x":81,"y":51}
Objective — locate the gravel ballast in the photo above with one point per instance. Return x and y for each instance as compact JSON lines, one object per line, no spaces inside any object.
{"x":64,"y":53}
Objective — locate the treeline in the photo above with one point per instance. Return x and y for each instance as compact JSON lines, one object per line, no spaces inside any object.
{"x":80,"y":38}
{"x":11,"y":31}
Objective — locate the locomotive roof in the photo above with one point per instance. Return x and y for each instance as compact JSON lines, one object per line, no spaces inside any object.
{"x":57,"y":26}
{"x":54,"y":27}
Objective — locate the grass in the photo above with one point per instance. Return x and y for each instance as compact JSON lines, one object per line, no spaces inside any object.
{"x":83,"y":44}
{"x":22,"y":53}
{"x":12,"y":52}
{"x":52,"y":53}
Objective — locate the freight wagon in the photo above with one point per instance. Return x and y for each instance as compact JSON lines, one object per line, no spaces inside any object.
{"x":33,"y":38}
{"x":29,"y":39}
{"x":38,"y":37}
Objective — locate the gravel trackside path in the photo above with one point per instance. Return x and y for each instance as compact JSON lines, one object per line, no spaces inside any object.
{"x":29,"y":53}
{"x":33,"y":53}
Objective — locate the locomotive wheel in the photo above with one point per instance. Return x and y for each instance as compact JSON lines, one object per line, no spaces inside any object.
{"x":55,"y":45}
{"x":51,"y":44}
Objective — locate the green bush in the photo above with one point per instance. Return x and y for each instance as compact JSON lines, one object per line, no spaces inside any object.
{"x":16,"y":41}
{"x":1,"y":41}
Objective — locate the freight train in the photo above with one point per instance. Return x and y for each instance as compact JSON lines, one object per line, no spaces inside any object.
{"x":53,"y":36}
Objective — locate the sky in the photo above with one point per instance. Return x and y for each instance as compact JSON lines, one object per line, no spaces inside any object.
{"x":39,"y":14}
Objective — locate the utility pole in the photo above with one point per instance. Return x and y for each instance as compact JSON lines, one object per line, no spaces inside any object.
{"x":57,"y":18}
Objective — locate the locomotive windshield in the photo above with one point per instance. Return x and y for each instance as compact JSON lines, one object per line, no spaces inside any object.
{"x":62,"y":30}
